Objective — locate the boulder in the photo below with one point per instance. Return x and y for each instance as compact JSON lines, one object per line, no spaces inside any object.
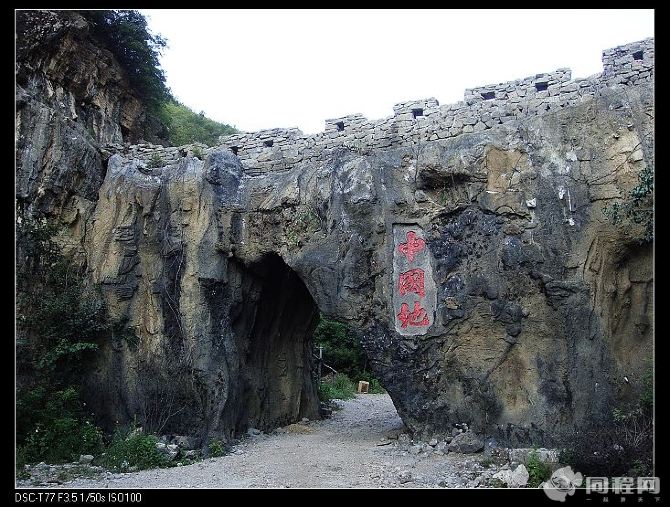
{"x":517,"y":478}
{"x":466,"y":443}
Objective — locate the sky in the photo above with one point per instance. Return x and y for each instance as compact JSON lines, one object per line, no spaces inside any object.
{"x":259,"y":69}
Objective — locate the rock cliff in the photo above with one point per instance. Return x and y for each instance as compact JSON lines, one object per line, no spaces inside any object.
{"x":71,"y":97}
{"x":486,"y":284}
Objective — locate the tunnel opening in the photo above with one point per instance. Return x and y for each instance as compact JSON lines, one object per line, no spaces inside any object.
{"x":273,"y":318}
{"x":293,"y":360}
{"x":343,"y":366}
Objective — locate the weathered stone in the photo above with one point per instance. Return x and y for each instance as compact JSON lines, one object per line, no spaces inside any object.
{"x":466,"y":443}
{"x":522,"y":455}
{"x":186,"y":442}
{"x":517,"y":478}
{"x":405,"y":476}
{"x":394,"y":434}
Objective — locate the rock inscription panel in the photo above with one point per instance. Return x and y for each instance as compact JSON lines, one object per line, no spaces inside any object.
{"x":414,"y":293}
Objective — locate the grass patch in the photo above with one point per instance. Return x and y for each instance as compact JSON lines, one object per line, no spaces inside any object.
{"x":538,"y":471}
{"x":338,"y":387}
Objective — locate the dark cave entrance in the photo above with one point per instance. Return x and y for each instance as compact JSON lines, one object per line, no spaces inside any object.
{"x":273,"y":318}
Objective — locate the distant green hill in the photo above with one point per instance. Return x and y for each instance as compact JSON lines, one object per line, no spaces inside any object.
{"x":186,"y":126}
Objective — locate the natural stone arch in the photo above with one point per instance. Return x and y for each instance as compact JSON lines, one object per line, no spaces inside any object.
{"x":509,"y":233}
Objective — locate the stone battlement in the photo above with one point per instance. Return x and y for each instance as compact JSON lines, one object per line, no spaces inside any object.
{"x":423,"y":120}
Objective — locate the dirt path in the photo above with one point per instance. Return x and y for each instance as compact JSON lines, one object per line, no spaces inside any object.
{"x":349,"y":449}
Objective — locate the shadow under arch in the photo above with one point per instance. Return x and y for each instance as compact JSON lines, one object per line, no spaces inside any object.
{"x":272,"y":318}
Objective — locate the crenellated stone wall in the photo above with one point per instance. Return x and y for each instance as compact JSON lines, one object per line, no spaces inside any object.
{"x":424,"y":120}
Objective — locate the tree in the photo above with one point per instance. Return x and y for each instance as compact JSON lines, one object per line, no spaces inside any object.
{"x":126,"y":35}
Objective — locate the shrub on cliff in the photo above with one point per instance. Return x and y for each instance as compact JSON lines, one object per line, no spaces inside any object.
{"x":637,"y":209}
{"x":126,"y":34}
{"x":59,"y":318}
{"x":59,"y":321}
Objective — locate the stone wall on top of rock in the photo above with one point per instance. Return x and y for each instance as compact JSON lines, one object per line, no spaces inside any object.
{"x":425,"y":120}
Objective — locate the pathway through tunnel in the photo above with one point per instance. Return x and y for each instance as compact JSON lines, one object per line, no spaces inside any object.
{"x":293,"y":360}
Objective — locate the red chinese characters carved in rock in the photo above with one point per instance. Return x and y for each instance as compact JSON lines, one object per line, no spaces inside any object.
{"x":412,"y":247}
{"x":418,"y":317}
{"x":412,"y":282}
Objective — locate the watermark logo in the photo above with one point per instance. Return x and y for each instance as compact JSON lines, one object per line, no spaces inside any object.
{"x":562,"y":483}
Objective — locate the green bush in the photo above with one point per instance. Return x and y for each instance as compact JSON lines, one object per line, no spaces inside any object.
{"x":155,"y":161}
{"x":340,"y":387}
{"x":133,"y":450}
{"x":538,"y":471}
{"x":198,"y":152}
{"x":638,"y":206}
{"x":185,"y":126}
{"x":52,"y":427}
{"x":343,"y":352}
{"x":59,"y":317}
{"x":341,"y":348}
{"x":217,"y":448}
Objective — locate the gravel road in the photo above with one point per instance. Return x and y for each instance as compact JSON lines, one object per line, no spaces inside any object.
{"x":350,"y":449}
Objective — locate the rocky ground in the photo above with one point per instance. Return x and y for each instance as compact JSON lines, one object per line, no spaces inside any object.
{"x":362,"y":445}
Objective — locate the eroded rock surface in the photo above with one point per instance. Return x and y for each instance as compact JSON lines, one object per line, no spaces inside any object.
{"x":530,"y":311}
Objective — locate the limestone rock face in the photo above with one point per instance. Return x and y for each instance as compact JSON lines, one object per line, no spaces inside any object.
{"x":486,"y":284}
{"x":71,"y":96}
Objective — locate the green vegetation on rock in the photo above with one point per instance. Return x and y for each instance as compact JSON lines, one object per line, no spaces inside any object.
{"x":338,"y":387}
{"x":217,"y":448}
{"x":126,"y":34}
{"x":52,"y":426}
{"x":60,"y":322}
{"x":133,"y":450}
{"x":638,"y":206}
{"x":538,"y":471}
